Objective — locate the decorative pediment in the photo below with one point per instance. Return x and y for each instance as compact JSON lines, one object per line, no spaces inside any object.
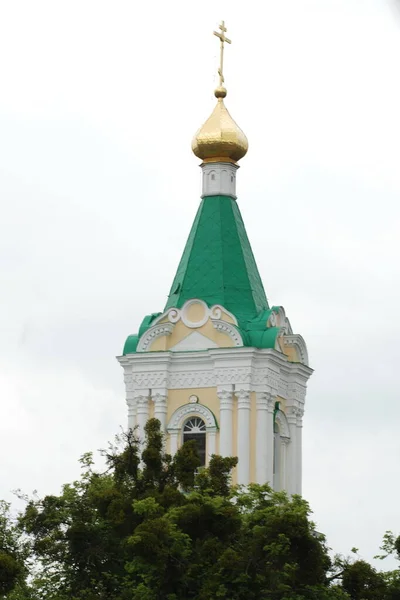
{"x":152,"y":334}
{"x":195,"y":313}
{"x":174,"y":330}
{"x":297,"y":344}
{"x":194,"y":341}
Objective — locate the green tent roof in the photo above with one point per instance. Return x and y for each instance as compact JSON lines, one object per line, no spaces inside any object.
{"x":217,"y":264}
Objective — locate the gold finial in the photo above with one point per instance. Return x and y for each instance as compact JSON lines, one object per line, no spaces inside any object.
{"x":220,"y":92}
{"x":220,"y":139}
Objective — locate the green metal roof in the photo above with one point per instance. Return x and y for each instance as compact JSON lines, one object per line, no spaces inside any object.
{"x":131,"y":344}
{"x":217,"y":264}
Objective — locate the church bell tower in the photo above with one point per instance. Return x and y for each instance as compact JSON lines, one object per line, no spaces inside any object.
{"x":219,"y":364}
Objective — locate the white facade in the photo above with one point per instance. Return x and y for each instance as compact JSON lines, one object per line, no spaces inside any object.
{"x":240,"y":380}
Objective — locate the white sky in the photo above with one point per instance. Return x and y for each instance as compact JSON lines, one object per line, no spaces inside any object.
{"x":98,"y":187}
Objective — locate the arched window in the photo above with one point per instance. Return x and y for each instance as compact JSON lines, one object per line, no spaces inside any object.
{"x":195,"y":429}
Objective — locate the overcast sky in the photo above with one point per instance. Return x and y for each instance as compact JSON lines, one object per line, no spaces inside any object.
{"x":98,"y":187}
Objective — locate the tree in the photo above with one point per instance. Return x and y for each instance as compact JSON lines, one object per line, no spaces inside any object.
{"x":363,"y":582}
{"x":13,"y":552}
{"x":153,"y":527}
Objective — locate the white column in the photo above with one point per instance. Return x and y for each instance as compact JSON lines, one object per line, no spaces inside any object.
{"x":142,"y":414}
{"x":243,"y":436}
{"x":291,"y":463}
{"x":211,"y":442}
{"x":173,"y":441}
{"x":225,"y":397}
{"x":131,"y":402}
{"x":160,"y":409}
{"x":264,"y":438}
{"x":283,"y":475}
{"x":299,"y":450}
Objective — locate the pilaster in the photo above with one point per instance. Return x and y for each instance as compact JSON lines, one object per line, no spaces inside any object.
{"x":225,"y":396}
{"x":299,"y":448}
{"x":291,"y":470}
{"x":160,"y":407}
{"x":131,"y":402}
{"x":243,"y":436}
{"x":264,"y":438}
{"x":174,"y":441}
{"x":211,"y":442}
{"x":283,"y":465}
{"x":142,"y":412}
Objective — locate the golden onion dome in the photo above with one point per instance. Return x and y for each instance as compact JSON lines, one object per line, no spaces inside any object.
{"x":220,"y":139}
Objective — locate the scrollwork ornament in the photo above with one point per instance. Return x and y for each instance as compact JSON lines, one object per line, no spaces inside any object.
{"x":215,"y":312}
{"x":174,"y":315}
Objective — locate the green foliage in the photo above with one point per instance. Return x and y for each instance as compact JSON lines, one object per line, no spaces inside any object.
{"x":153,"y":527}
{"x":390,"y":546}
{"x":13,"y":552}
{"x":363,"y":582}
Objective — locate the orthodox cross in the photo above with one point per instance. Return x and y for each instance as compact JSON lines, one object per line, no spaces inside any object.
{"x":223,"y":39}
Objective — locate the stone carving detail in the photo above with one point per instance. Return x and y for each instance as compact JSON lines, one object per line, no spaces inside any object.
{"x":142,"y":404}
{"x":297,"y":391}
{"x":243,"y":397}
{"x":191,"y":379}
{"x":239,"y":375}
{"x":252,"y":378}
{"x":160,"y":400}
{"x":265,"y":401}
{"x":176,"y":314}
{"x":177,"y":418}
{"x":216,"y":311}
{"x":128,"y":379}
{"x":297,"y":410}
{"x":295,"y":413}
{"x":225,"y":398}
{"x":271,"y":379}
{"x":230,"y":330}
{"x":152,"y":334}
{"x":150,"y":379}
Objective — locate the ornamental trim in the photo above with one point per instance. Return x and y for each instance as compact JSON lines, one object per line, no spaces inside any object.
{"x":229,"y":330}
{"x":152,"y":334}
{"x":183,"y":412}
{"x":181,"y":314}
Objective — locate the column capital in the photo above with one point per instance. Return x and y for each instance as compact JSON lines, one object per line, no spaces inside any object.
{"x":243,"y":397}
{"x":265,"y":401}
{"x":142,"y":402}
{"x":295,"y":414}
{"x":159,"y":399}
{"x":225,"y":397}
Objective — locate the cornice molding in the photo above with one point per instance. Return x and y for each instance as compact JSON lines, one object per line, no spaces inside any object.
{"x":247,"y":368}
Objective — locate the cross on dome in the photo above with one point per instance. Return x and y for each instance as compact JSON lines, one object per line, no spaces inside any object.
{"x":223,"y":39}
{"x":220,"y":139}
